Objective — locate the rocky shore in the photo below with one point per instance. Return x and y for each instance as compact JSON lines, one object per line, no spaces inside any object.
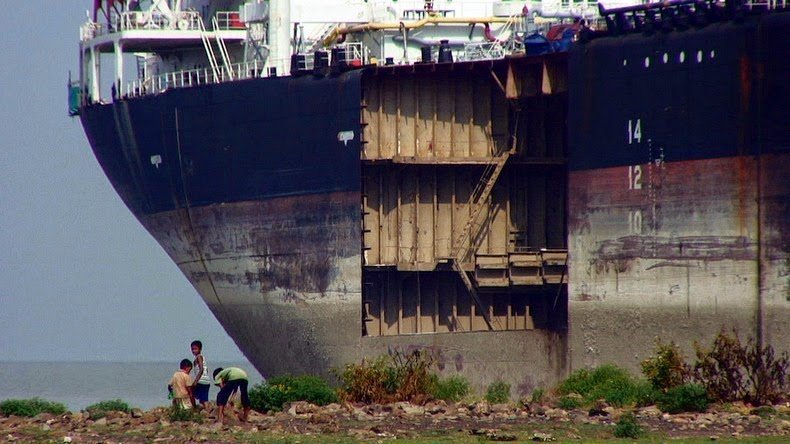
{"x":433,"y":422}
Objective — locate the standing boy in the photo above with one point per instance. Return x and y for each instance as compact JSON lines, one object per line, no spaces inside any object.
{"x":202,"y":378}
{"x":182,"y":386}
{"x":228,"y":380}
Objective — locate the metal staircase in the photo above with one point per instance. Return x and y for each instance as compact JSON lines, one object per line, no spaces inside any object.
{"x":212,"y":58}
{"x":467,"y":240}
{"x":223,"y":49}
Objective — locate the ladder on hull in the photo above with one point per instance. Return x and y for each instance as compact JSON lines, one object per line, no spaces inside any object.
{"x":467,"y":242}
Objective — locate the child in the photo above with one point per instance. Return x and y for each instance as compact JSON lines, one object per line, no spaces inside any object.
{"x":228,"y":380}
{"x":202,"y":378}
{"x":182,"y":386}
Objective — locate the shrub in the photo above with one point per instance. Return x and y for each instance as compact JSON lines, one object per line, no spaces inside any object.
{"x":684,"y":398}
{"x":667,"y":368}
{"x":454,"y":388}
{"x":399,"y":376}
{"x":30,"y":407}
{"x":731,"y":371}
{"x":100,"y":409}
{"x":180,"y":414}
{"x":627,"y":427}
{"x":570,"y":401}
{"x":498,"y":392}
{"x":278,"y":391}
{"x":610,"y":383}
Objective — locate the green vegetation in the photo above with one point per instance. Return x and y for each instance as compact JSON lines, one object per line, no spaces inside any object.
{"x":100,"y":409}
{"x":275,"y":393}
{"x":498,"y":392}
{"x":684,"y":398}
{"x":399,"y":376}
{"x":538,"y":395}
{"x":180,"y":414}
{"x":667,"y":368}
{"x":627,"y":427}
{"x":30,"y":407}
{"x":454,"y":388}
{"x":610,"y":383}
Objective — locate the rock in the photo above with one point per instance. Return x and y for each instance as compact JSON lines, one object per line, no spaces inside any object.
{"x":739,"y":429}
{"x":480,"y":408}
{"x":542,"y":437}
{"x":713,"y":438}
{"x":67,"y":439}
{"x":137,"y":413}
{"x":754,"y":419}
{"x":46,"y":427}
{"x":302,"y":408}
{"x":101,"y":422}
{"x":556,"y":414}
{"x":501,"y":408}
{"x":597,"y":412}
{"x":413,"y":410}
{"x":164,"y":423}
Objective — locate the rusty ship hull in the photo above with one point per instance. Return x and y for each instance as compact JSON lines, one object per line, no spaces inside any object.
{"x":681,"y":232}
{"x":315,"y":214}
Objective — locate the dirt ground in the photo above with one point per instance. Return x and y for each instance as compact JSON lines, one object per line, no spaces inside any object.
{"x":402,"y":422}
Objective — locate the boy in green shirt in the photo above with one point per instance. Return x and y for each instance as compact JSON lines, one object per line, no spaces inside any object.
{"x":229,"y":380}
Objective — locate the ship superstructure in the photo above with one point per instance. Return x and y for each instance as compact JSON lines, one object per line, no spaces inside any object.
{"x":338,"y":178}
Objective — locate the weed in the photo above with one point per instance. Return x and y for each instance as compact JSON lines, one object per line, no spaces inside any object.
{"x":453,"y":388}
{"x":627,"y":427}
{"x":30,"y":407}
{"x":180,"y":414}
{"x":538,"y":396}
{"x":100,"y":409}
{"x":399,"y":376}
{"x":273,"y":394}
{"x":684,"y":398}
{"x":667,"y":368}
{"x":731,"y":371}
{"x":498,"y":392}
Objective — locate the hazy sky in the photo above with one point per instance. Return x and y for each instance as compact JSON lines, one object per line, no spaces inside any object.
{"x":80,"y":279}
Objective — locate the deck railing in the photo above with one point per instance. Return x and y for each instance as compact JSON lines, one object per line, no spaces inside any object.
{"x":194,"y":77}
{"x":157,"y":21}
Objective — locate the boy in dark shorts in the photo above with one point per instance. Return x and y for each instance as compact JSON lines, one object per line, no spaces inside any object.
{"x":202,"y":379}
{"x":228,"y":380}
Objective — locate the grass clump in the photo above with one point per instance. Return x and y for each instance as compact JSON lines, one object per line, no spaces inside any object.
{"x":275,"y":393}
{"x":398,"y":376}
{"x":180,"y":414}
{"x":627,"y":427}
{"x":30,"y":407}
{"x":570,"y":401}
{"x":100,"y":409}
{"x":454,"y":388}
{"x":498,"y":392}
{"x":684,"y":398}
{"x":610,"y":383}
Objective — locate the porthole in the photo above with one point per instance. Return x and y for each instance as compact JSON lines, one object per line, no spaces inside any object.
{"x":682,"y":57}
{"x":625,"y":62}
{"x":666,"y":57}
{"x":712,"y":53}
{"x":699,"y":56}
{"x":647,"y":62}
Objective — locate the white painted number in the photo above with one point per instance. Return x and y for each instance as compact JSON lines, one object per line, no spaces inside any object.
{"x":634,"y":131}
{"x":635,"y":177}
{"x":635,"y":221}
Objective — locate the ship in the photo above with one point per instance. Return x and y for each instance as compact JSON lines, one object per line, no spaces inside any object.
{"x":522,"y":188}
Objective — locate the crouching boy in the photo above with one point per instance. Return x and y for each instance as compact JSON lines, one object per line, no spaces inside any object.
{"x":229,"y":380}
{"x":182,"y":386}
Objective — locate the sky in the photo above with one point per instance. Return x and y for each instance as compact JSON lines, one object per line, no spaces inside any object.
{"x":80,"y":279}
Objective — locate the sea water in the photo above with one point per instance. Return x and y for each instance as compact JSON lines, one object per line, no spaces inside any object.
{"x":80,"y":384}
